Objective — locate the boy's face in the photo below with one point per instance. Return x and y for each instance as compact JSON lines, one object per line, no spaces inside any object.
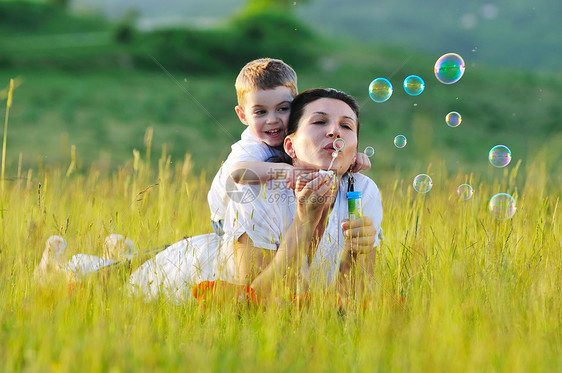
{"x":266,"y":112}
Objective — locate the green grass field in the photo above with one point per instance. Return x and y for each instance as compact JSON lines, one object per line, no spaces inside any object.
{"x":479,"y":294}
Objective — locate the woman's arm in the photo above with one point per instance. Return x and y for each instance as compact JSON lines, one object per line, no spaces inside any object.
{"x":262,"y":269}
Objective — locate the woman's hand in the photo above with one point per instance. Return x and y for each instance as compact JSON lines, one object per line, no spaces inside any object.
{"x":359,"y":255}
{"x":359,"y":235}
{"x":314,"y":193}
{"x":292,"y":176}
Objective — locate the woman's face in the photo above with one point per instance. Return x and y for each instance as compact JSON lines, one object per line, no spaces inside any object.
{"x":323,"y":121}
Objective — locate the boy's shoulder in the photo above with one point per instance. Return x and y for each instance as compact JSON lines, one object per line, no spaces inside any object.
{"x":248,"y":137}
{"x":250,"y":148}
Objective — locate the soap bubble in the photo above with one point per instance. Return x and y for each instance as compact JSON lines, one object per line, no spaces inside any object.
{"x":449,"y":68}
{"x":422,"y":183}
{"x":369,"y":151}
{"x":465,"y":191}
{"x":414,"y":85}
{"x":380,"y":90}
{"x":502,"y":206}
{"x":499,"y":156}
{"x":400,"y":141}
{"x":339,"y":144}
{"x":453,"y":119}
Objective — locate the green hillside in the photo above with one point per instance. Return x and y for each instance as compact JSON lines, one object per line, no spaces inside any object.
{"x":515,"y":34}
{"x":102,"y":96}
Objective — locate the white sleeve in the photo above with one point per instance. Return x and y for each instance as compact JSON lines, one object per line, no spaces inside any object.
{"x":242,"y":151}
{"x":262,"y":213}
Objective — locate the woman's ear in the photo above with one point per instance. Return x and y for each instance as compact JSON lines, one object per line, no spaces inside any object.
{"x":241,"y":114}
{"x":288,"y":146}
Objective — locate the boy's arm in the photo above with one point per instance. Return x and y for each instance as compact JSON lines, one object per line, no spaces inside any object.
{"x":252,"y":172}
{"x":362,"y":163}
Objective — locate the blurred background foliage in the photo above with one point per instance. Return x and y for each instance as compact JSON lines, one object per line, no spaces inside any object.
{"x":97,"y":75}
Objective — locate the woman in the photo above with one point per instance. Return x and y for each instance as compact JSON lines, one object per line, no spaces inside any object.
{"x":284,"y":236}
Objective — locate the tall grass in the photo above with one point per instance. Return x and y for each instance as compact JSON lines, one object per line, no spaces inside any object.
{"x":5,"y":137}
{"x":479,"y":294}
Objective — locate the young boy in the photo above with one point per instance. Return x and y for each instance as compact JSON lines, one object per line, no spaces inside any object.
{"x":265,"y":89}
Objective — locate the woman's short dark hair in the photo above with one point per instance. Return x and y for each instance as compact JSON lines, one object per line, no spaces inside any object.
{"x":310,"y":95}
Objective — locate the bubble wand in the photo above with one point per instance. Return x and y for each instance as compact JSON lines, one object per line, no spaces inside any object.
{"x":339,"y":145}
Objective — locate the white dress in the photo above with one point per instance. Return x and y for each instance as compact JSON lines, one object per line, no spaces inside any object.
{"x":174,"y":271}
{"x":83,"y":264}
{"x":248,"y":148}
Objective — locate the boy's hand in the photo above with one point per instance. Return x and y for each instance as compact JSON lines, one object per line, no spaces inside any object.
{"x":362,"y":163}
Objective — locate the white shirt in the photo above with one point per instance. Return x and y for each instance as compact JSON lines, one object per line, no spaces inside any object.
{"x":249,"y":148}
{"x":265,"y":220}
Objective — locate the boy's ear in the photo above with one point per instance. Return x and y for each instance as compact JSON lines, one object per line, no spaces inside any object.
{"x":241,"y":114}
{"x":288,"y":145}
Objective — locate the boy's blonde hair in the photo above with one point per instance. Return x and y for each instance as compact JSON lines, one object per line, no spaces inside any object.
{"x":264,"y":73}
